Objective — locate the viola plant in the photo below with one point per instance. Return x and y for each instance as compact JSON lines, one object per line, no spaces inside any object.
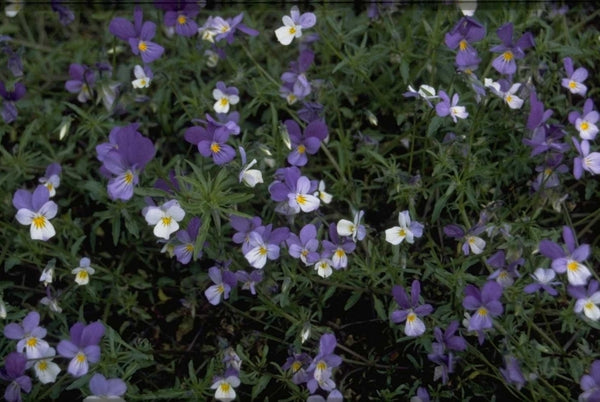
{"x":321,"y":202}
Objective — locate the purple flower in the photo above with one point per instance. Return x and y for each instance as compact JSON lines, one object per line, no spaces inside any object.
{"x":574,"y":80}
{"x":51,"y":178}
{"x":65,"y":15}
{"x":82,"y":81}
{"x":537,"y":115}
{"x":544,"y":280}
{"x":548,"y":172}
{"x":224,"y":280}
{"x":264,"y":244}
{"x":445,"y":108}
{"x":305,"y":245}
{"x":82,"y":348}
{"x":186,"y":241}
{"x":14,"y":371}
{"x":472,"y":242}
{"x":226,"y":28}
{"x":293,"y":25}
{"x":14,"y":63}
{"x":512,"y":373}
{"x":297,"y":364}
{"x":36,"y":210}
{"x":577,"y":273}
{"x":588,"y":161}
{"x":410,"y":310}
{"x":466,"y":31}
{"x":211,"y":142}
{"x":311,"y":111}
{"x":305,"y":143}
{"x":107,"y":387}
{"x":183,"y":20}
{"x":296,"y":189}
{"x":249,"y":280}
{"x":124,"y":157}
{"x":511,"y":51}
{"x":486,"y":303}
{"x":9,"y":110}
{"x":324,"y":361}
{"x":590,"y":383}
{"x":138,"y":35}
{"x":442,"y":350}
{"x":244,"y":227}
{"x":504,"y":275}
{"x":546,"y":138}
{"x":296,"y":85}
{"x":29,"y":334}
{"x":338,"y":248}
{"x":585,"y":123}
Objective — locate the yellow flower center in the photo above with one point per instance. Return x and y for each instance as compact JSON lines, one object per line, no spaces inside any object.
{"x":301,"y":199}
{"x":225,"y":28}
{"x":31,"y":342}
{"x":572,"y":266}
{"x":584,"y":125}
{"x":572,"y":84}
{"x":339,"y":253}
{"x":224,"y":101}
{"x":411,"y":318}
{"x":292,"y":31}
{"x":471,"y":240}
{"x":49,"y":186}
{"x":142,"y":46}
{"x":508,"y":55}
{"x":215,"y":147}
{"x":508,"y":98}
{"x":83,"y":275}
{"x":301,"y":149}
{"x":42,"y":365}
{"x":321,"y":365}
{"x":225,"y":387}
{"x":39,"y":221}
{"x":166,"y":221}
{"x":181,"y":19}
{"x":262,"y":251}
{"x":189,"y":248}
{"x":220,"y":289}
{"x":128,"y":177}
{"x":80,"y":357}
{"x":482,"y":311}
{"x":143,"y":82}
{"x":462,"y":45}
{"x":402,"y":233}
{"x":296,"y":366}
{"x":589,"y":305}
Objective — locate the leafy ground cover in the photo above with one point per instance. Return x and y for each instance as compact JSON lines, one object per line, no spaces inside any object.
{"x":327,"y":202}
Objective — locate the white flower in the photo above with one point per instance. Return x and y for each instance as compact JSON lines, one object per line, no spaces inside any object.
{"x":52,"y":304}
{"x":83,"y":272}
{"x":587,"y":128}
{"x":2,"y":309}
{"x":164,"y":218}
{"x":406,"y":230}
{"x":13,"y":9}
{"x":223,"y":101}
{"x":323,"y":268}
{"x":414,"y":326}
{"x":225,"y":388}
{"x":212,"y":58}
{"x":45,"y":369}
{"x":354,"y":229}
{"x":48,"y":273}
{"x":589,"y":306}
{"x":142,"y":80}
{"x":577,"y":273}
{"x":250,"y":177}
{"x":293,"y":25}
{"x":476,"y":244}
{"x":323,"y":196}
{"x":467,"y":7}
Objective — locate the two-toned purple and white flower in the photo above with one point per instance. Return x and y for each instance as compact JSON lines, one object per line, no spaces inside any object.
{"x":143,"y":76}
{"x":29,"y":335}
{"x":585,"y":123}
{"x":445,"y":107}
{"x":249,"y":280}
{"x":425,"y":92}
{"x":186,"y":241}
{"x":250,"y":177}
{"x":263,"y":245}
{"x":243,"y":227}
{"x":543,"y":280}
{"x":335,"y":250}
{"x":411,"y":310}
{"x":505,"y":274}
{"x":295,"y":84}
{"x":320,"y":369}
{"x":295,"y":190}
{"x":466,"y":31}
{"x":224,"y":280}
{"x":511,"y":51}
{"x":506,"y":91}
{"x":36,"y":210}
{"x":83,"y":271}
{"x":83,"y":347}
{"x":587,"y":300}
{"x":590,"y":383}
{"x":164,"y":218}
{"x":486,"y":304}
{"x":571,"y":262}
{"x":574,"y":80}
{"x":51,"y":178}
{"x":224,"y":388}
{"x":472,"y":242}
{"x":586,"y":161}
{"x":352,"y":229}
{"x":82,"y":80}
{"x":407,"y":230}
{"x":45,"y":369}
{"x":293,"y":25}
{"x":225,"y":96}
{"x":103,"y":389}
{"x":304,"y":245}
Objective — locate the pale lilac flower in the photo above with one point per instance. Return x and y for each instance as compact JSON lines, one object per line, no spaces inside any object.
{"x":512,"y":373}
{"x":226,"y":28}
{"x":442,"y":350}
{"x":29,"y":334}
{"x":297,"y":364}
{"x":296,"y":190}
{"x":504,"y":274}
{"x":544,"y":280}
{"x":36,"y":210}
{"x":224,"y":280}
{"x":585,"y":123}
{"x":411,"y":310}
{"x":304,"y":245}
{"x":422,"y":395}
{"x":445,"y":108}
{"x":249,"y":280}
{"x":14,"y":371}
{"x":588,"y":161}
{"x":486,"y":303}
{"x":82,"y":348}
{"x":590,"y":384}
{"x":103,"y":389}
{"x":293,"y":25}
{"x":335,"y":252}
{"x":264,"y":244}
{"x":322,"y":365}
{"x":295,"y":82}
{"x":575,"y":78}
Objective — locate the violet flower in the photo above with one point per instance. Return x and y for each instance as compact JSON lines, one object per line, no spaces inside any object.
{"x":82,"y":348}
{"x":186,"y":241}
{"x":296,"y":189}
{"x":512,"y":372}
{"x":295,"y":80}
{"x":14,"y":371}
{"x":544,"y":280}
{"x":297,"y":364}
{"x":472,"y":242}
{"x":226,"y":28}
{"x":442,"y":350}
{"x":411,"y":311}
{"x":183,"y":20}
{"x":511,"y":51}
{"x":211,"y":142}
{"x":51,"y":178}
{"x":445,"y":108}
{"x":124,"y":157}
{"x":548,"y":172}
{"x":244,"y":227}
{"x":577,"y":273}
{"x":304,"y":245}
{"x":14,"y":62}
{"x":322,"y":364}
{"x":65,"y":15}
{"x":574,"y":80}
{"x":504,"y":274}
{"x":249,"y":280}
{"x":224,"y":280}
{"x":338,"y":248}
{"x":311,"y":111}
{"x":264,"y":244}
{"x":307,"y":143}
{"x":36,"y":210}
{"x":9,"y":110}
{"x":585,"y":123}
{"x":537,"y":115}
{"x":588,"y":161}
{"x":82,"y":81}
{"x":138,"y":35}
{"x":466,"y":31}
{"x":547,"y":138}
{"x":486,"y":303}
{"x":103,"y":388}
{"x":587,"y":300}
{"x":30,"y":336}
{"x":590,"y":383}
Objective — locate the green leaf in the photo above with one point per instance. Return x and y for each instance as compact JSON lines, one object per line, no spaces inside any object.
{"x":352,"y":300}
{"x":262,"y":383}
